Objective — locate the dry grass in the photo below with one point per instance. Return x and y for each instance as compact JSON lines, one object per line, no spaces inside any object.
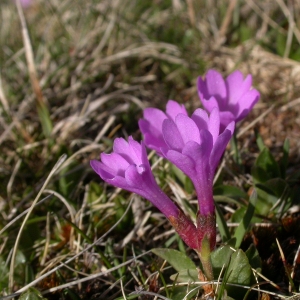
{"x":93,"y":67}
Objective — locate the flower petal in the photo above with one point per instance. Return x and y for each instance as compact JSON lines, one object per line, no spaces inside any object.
{"x":115,"y":162}
{"x":152,"y":137}
{"x":214,"y":123}
{"x":135,"y":178}
{"x":122,"y":148}
{"x":151,"y":128}
{"x":220,"y":146}
{"x":246,"y":104}
{"x":108,"y":175}
{"x":102,"y":170}
{"x":174,"y":108}
{"x":144,"y":156}
{"x":214,"y":86}
{"x":135,"y":151}
{"x":201,"y":119}
{"x":172,"y":135}
{"x":226,"y":117}
{"x":199,"y":153}
{"x":182,"y":162}
{"x":237,"y":87}
{"x":187,"y":128}
{"x":210,"y":104}
{"x":155,"y":117}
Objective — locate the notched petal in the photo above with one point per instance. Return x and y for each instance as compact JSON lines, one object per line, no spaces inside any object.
{"x":187,"y":128}
{"x":174,"y":108}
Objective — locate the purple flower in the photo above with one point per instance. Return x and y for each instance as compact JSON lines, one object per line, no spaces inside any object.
{"x":128,"y":168}
{"x":194,"y":144}
{"x":234,"y":96}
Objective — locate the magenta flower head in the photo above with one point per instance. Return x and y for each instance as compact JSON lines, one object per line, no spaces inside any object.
{"x":234,"y":96}
{"x":195,"y":146}
{"x":128,"y":168}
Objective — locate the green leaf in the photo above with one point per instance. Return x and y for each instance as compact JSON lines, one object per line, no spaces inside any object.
{"x":183,"y":292}
{"x":237,"y":269}
{"x":295,"y":55}
{"x":95,"y":192}
{"x":236,"y":155}
{"x":229,"y":191}
{"x":222,"y":225}
{"x":178,"y":260}
{"x":71,"y":294}
{"x":231,"y":242}
{"x":275,"y":186}
{"x":283,"y":163}
{"x":238,"y":215}
{"x":224,"y":199}
{"x":259,"y":142}
{"x":45,"y":120}
{"x":190,"y":275}
{"x":239,"y":272}
{"x":265,"y":202}
{"x":280,"y":43}
{"x":30,"y":235}
{"x":259,"y":174}
{"x":78,"y":230}
{"x":274,"y":191}
{"x":253,"y":257}
{"x":185,"y":180}
{"x":188,"y":185}
{"x":266,"y":161}
{"x":119,"y":209}
{"x":32,"y":294}
{"x":243,"y":226}
{"x":220,"y":258}
{"x":246,"y":32}
{"x":4,"y":271}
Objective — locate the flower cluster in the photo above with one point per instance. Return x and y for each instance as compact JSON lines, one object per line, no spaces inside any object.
{"x":195,"y":144}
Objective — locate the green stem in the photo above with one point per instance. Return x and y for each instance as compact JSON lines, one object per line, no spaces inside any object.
{"x":204,"y":255}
